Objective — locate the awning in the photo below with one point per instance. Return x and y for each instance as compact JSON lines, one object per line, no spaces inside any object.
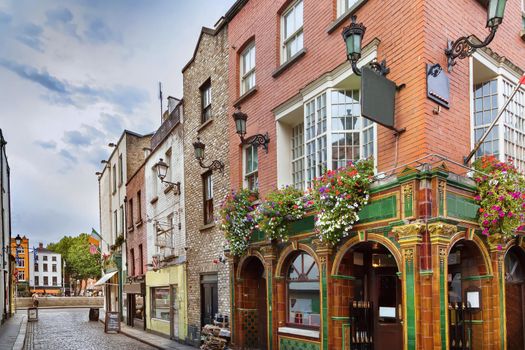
{"x":105,"y":278}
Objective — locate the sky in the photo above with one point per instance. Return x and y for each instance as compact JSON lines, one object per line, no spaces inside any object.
{"x":73,"y":75}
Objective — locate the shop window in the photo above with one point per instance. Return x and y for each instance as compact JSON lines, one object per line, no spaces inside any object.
{"x":303,"y":292}
{"x":251,"y":169}
{"x":247,"y":66}
{"x":207,"y":182}
{"x":160,"y":303}
{"x":292,"y":31}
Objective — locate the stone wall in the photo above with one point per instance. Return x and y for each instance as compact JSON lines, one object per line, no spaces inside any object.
{"x":61,"y":302}
{"x":205,"y":242}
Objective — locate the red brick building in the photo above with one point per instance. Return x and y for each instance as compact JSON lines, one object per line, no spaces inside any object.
{"x":419,"y":252}
{"x":135,"y":287}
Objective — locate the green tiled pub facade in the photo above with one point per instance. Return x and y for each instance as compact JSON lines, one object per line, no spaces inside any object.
{"x":402,"y":280}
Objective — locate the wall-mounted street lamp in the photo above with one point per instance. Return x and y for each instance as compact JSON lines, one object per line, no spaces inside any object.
{"x":199,"y":155}
{"x":162,"y":171}
{"x":18,"y":240}
{"x":465,"y":46}
{"x":104,"y":162}
{"x":111,"y":144}
{"x":353,"y":37}
{"x":257,"y":140}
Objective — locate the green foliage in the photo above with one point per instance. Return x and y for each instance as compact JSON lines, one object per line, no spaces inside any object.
{"x":80,"y":263}
{"x":338,"y":196}
{"x":237,"y":221}
{"x":501,"y":197}
{"x":280,"y":207}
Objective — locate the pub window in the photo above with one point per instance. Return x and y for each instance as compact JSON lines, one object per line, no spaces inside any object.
{"x":292,"y":31}
{"x":251,"y":168}
{"x":248,"y":68}
{"x":206,"y":101}
{"x":160,"y":303}
{"x":207,"y":182}
{"x":303,"y":292}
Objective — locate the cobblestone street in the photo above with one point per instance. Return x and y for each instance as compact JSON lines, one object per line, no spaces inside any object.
{"x":70,"y":329}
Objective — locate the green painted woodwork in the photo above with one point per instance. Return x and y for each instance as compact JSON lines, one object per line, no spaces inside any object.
{"x":257,"y":236}
{"x":324,"y":300}
{"x":306,"y":224}
{"x":408,"y":207}
{"x":461,"y":207}
{"x":341,"y":277}
{"x":380,"y":209}
{"x":441,"y":201}
{"x":296,"y":344}
{"x":477,"y":278}
{"x":340,"y":318}
{"x":410,"y":286}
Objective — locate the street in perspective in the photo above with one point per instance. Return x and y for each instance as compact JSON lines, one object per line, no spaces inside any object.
{"x":262,"y":175}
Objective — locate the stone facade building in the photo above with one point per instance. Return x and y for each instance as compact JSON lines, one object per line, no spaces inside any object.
{"x":6,"y":293}
{"x":416,"y":254}
{"x":206,"y":118}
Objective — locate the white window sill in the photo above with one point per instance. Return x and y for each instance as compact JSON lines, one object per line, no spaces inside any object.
{"x":298,"y":331}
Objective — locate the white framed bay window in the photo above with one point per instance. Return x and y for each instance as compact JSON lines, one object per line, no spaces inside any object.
{"x":332,"y":132}
{"x":292,"y":31}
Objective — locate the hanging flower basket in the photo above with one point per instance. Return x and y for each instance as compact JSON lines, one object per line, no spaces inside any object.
{"x":338,"y":196}
{"x":237,"y":221}
{"x":501,"y":197}
{"x":280,"y":207}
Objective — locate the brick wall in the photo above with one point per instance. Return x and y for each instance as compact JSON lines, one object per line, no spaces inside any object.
{"x":205,"y":243}
{"x":412,"y":33}
{"x":136,"y":228}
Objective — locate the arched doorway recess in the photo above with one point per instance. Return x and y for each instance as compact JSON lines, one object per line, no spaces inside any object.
{"x":371,"y":290}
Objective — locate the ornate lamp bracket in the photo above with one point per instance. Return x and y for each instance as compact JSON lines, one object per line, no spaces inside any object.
{"x":465,"y":47}
{"x":378,"y":67}
{"x":215,"y":165}
{"x":257,"y":140}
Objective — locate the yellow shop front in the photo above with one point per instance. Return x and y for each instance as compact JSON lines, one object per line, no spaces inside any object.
{"x":166,"y":302}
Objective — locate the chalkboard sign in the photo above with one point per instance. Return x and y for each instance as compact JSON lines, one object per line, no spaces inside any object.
{"x":32,"y":314}
{"x":112,"y":322}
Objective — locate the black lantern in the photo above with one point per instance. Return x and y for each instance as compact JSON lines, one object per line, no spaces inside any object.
{"x":257,"y":140}
{"x":240,"y":119}
{"x":199,"y":155}
{"x":162,"y":171}
{"x":18,"y":240}
{"x":353,"y":37}
{"x":467,"y":45}
{"x":495,"y":12}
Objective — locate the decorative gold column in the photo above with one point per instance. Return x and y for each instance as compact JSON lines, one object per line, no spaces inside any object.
{"x":440,"y":236}
{"x":410,"y":238}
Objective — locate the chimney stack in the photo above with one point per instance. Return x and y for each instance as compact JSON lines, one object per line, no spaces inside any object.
{"x":40,"y":245}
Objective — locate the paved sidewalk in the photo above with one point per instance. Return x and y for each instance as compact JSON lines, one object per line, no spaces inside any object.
{"x":152,"y":339}
{"x":12,"y":332}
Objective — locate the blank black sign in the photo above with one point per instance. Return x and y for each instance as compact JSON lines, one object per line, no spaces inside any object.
{"x":377,"y":98}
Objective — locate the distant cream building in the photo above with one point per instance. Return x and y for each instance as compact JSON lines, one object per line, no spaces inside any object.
{"x":45,"y":271}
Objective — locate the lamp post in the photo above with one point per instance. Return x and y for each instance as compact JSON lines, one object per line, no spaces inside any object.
{"x":353,"y":38}
{"x":199,"y":155}
{"x":465,"y":45}
{"x":162,"y":171}
{"x":256,"y":140}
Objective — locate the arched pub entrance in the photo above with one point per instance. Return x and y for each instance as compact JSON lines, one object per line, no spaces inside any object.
{"x":515,"y":297}
{"x":372,"y":293}
{"x":253,"y":305}
{"x":467,"y":272}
